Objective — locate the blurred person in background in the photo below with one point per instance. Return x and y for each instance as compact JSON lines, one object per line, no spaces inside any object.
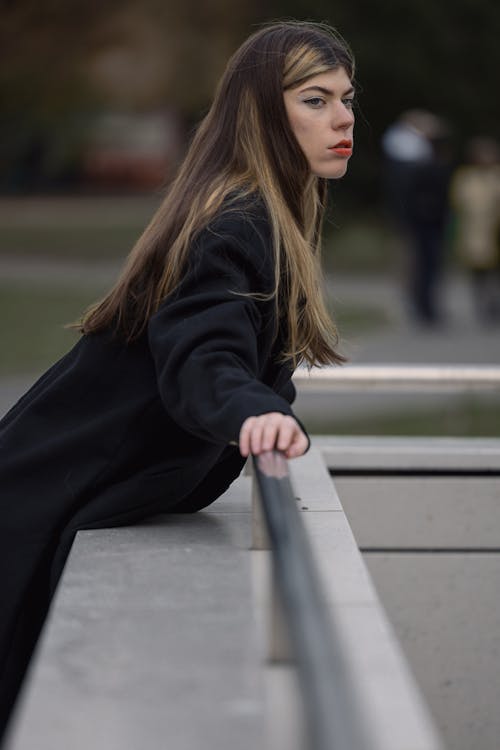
{"x":416,"y":176}
{"x":184,"y":368}
{"x":475,"y":198}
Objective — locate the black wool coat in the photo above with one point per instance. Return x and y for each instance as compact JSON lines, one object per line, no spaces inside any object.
{"x":113,"y":432}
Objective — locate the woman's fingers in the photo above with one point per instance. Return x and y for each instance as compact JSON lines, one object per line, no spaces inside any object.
{"x":244,"y":437}
{"x":256,"y":435}
{"x":298,"y":446}
{"x":287,"y":430}
{"x":251,"y":435}
{"x":269,"y":431}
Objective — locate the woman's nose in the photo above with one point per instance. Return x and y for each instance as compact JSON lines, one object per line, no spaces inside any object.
{"x":342,"y":117}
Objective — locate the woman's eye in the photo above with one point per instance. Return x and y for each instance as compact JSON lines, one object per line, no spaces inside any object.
{"x":315,"y":101}
{"x":349,"y":103}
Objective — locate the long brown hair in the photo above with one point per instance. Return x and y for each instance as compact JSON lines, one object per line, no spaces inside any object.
{"x":244,"y":145}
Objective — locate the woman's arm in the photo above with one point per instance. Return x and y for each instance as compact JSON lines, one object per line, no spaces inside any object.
{"x":207,"y":341}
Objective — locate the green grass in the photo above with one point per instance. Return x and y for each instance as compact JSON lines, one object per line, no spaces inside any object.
{"x":68,"y":243}
{"x":73,"y":227}
{"x":467,"y":417}
{"x":32,"y":335}
{"x":32,"y":319}
{"x":366,"y":244}
{"x":33,"y":316}
{"x":356,"y":319}
{"x":107,"y":227}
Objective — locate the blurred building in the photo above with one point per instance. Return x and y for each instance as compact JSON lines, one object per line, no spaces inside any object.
{"x":127,"y":150}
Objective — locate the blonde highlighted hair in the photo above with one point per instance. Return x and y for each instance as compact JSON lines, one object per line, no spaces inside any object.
{"x":244,"y":146}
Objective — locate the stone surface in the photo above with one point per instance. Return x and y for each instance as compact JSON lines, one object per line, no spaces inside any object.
{"x":312,"y":483}
{"x":393,"y":708}
{"x":422,"y":511}
{"x":151,"y":643}
{"x":409,"y":453}
{"x":433,"y":550}
{"x":158,"y":638}
{"x":388,"y":700}
{"x":446,"y":613}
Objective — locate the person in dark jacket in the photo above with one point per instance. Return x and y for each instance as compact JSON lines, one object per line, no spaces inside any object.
{"x":184,"y":368}
{"x":417,"y":175}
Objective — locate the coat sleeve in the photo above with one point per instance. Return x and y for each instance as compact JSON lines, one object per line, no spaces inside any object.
{"x":206,"y":338}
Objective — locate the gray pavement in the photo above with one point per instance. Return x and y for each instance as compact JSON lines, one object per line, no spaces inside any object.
{"x":461,"y":339}
{"x":54,"y":271}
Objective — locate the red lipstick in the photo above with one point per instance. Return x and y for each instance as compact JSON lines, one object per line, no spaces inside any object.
{"x":342,"y":148}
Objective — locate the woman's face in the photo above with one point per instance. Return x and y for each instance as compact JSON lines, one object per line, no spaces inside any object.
{"x":321,"y":117}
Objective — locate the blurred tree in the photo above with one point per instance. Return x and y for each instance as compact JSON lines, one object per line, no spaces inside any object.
{"x":61,"y":58}
{"x":41,"y":85}
{"x":439,"y":55}
{"x":154,"y":52}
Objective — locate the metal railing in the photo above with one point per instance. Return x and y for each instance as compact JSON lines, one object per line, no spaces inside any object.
{"x":328,"y":697}
{"x":455,"y":378}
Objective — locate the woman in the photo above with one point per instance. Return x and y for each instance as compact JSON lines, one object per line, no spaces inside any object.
{"x":184,"y":368}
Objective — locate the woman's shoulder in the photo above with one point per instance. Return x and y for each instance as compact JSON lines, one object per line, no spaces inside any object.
{"x":241,"y":233}
{"x":243,"y":218}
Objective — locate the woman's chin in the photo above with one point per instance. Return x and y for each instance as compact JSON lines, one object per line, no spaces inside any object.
{"x":332,"y":173}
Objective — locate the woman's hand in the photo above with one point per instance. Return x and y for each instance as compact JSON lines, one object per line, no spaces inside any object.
{"x":273,"y":431}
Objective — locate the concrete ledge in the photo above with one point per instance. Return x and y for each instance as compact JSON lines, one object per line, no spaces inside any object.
{"x":157,"y":637}
{"x":151,"y":642}
{"x":361,"y":453}
{"x":390,"y":702}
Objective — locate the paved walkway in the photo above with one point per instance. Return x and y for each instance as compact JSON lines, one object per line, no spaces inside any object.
{"x":460,"y":340}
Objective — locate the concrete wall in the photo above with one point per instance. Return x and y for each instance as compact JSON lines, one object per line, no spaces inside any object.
{"x":432,"y":546}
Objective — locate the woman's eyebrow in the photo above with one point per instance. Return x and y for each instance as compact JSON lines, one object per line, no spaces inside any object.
{"x":327,"y":92}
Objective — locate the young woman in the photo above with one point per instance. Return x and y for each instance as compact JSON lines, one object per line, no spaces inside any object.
{"x":184,"y":368}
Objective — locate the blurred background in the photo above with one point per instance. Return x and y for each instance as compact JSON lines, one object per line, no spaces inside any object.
{"x":99,"y":99}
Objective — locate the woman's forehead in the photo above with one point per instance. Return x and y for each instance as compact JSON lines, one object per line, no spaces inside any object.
{"x":330,"y":81}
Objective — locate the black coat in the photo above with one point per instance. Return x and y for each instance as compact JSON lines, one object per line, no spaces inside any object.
{"x":113,"y":432}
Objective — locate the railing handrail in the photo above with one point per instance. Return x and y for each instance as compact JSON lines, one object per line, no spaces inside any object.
{"x":328,"y":698}
{"x":399,"y":377}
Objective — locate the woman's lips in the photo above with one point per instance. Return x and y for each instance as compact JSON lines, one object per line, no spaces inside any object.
{"x":343,"y":148}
